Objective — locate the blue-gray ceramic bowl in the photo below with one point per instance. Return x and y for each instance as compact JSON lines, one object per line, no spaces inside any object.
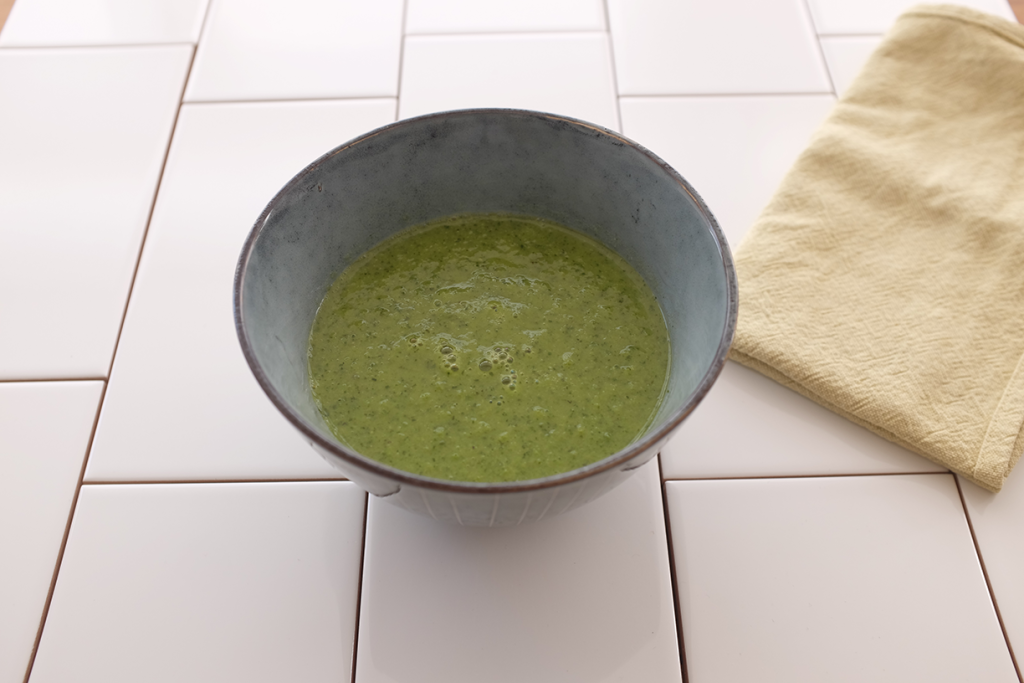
{"x":489,"y":161}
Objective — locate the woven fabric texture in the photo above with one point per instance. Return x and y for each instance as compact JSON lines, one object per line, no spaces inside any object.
{"x":885,"y":279}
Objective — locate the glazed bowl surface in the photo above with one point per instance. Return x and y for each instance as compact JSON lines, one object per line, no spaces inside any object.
{"x":484,"y":161}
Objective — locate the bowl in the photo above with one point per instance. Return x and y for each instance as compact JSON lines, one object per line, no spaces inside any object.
{"x":484,"y":161}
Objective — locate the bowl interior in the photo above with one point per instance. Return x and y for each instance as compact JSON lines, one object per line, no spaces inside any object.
{"x":483,"y":161}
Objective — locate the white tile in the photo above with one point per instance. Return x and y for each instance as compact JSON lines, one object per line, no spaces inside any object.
{"x":44,"y":433}
{"x":584,"y":596}
{"x":835,"y":579}
{"x":998,"y":520}
{"x":877,"y":16}
{"x":846,"y":56}
{"x":568,"y":74}
{"x":751,"y":426}
{"x":471,"y":16}
{"x":268,"y":50}
{"x":102,"y":22}
{"x":734,"y":150}
{"x":683,"y":47}
{"x":207,"y":582}
{"x":182,"y":402}
{"x":83,"y":134}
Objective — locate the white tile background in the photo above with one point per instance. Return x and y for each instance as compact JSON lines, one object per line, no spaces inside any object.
{"x":138,"y":143}
{"x":200,"y":582}
{"x":444,"y":603}
{"x":503,"y":16}
{"x":701,"y":48}
{"x":838,"y":579}
{"x":301,"y":49}
{"x":81,"y":158}
{"x":103,"y":22}
{"x":566,"y":73}
{"x":733,"y":149}
{"x":225,"y":163}
{"x":39,"y":471}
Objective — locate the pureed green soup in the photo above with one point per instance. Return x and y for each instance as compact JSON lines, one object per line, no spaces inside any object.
{"x":488,"y":348}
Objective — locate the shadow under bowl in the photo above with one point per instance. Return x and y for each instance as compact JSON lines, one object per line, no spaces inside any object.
{"x":484,"y":161}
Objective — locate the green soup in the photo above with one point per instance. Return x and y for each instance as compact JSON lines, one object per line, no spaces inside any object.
{"x":488,"y":348}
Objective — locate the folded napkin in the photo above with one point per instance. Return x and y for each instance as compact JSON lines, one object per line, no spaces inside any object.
{"x":885,"y":279}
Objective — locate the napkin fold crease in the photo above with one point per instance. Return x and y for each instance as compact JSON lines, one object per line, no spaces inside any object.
{"x":885,"y":279}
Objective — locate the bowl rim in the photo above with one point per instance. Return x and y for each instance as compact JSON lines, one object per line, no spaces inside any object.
{"x":402,"y":477}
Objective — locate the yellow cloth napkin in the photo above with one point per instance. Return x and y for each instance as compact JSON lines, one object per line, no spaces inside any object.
{"x":885,"y":279}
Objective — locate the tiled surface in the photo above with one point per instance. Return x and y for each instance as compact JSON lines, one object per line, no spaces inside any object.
{"x":734,"y":150}
{"x":103,"y":22}
{"x":837,"y":579}
{"x":83,"y":134}
{"x":750,"y":426}
{"x":182,"y":402}
{"x":998,"y":522}
{"x":846,"y":56}
{"x":471,"y":16}
{"x":565,"y":73}
{"x":209,"y":542}
{"x":207,"y":582}
{"x":39,"y":470}
{"x":268,"y":50}
{"x":692,"y":47}
{"x":487,"y":595}
{"x":841,"y":17}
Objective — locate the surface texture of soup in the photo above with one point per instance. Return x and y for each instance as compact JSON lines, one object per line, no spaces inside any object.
{"x":488,"y":348}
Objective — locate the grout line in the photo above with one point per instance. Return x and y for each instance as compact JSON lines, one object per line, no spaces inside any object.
{"x":54,"y":379}
{"x":804,"y":476}
{"x":90,"y":46}
{"x":106,"y":385}
{"x":283,"y":100}
{"x":152,"y":209}
{"x":615,"y":76}
{"x":161,"y":482}
{"x":988,"y":581}
{"x":359,"y":584}
{"x":672,"y":575}
{"x":401,"y":61}
{"x":818,"y":45}
{"x":518,"y":34}
{"x":705,"y":95}
{"x":205,"y":22}
{"x":64,"y":540}
{"x":203,"y":25}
